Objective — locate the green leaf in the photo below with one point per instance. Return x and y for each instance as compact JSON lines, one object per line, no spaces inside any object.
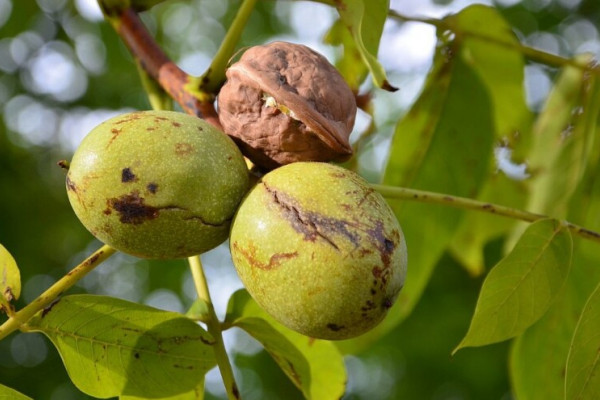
{"x":449,"y":129}
{"x":365,"y":20}
{"x":583,"y":363}
{"x":490,"y":47}
{"x":10,"y":279}
{"x":198,"y":311}
{"x":520,"y":288}
{"x":350,"y":64}
{"x":195,"y":394}
{"x":113,"y":347}
{"x":536,"y":372}
{"x":7,"y":393}
{"x":315,"y":366}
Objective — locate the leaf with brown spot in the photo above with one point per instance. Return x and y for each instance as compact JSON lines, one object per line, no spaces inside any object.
{"x":112,"y":347}
{"x":10,"y":279}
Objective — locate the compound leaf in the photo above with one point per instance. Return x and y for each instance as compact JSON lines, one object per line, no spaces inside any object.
{"x":315,"y":366}
{"x":10,"y":279}
{"x":112,"y":347}
{"x":520,"y":288}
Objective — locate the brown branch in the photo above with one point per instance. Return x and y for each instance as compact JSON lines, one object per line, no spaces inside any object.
{"x":158,"y":65}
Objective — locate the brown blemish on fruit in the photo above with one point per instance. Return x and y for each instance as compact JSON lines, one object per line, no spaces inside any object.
{"x":132,"y":208}
{"x":311,"y":224}
{"x":182,"y":149}
{"x":150,"y":128}
{"x":71,"y":185}
{"x":274,"y":261}
{"x":176,"y":124}
{"x":152,"y":187}
{"x":127,"y":175}
{"x":115,"y":133}
{"x":334,"y":327}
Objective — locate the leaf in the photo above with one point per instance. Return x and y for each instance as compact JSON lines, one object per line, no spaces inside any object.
{"x":113,"y":347}
{"x":350,"y":64}
{"x":7,"y":393}
{"x":520,"y":288}
{"x":491,"y":49}
{"x":365,"y":20}
{"x":536,"y":372}
{"x":449,"y":129}
{"x":195,"y":394}
{"x":583,"y":363}
{"x":315,"y":366}
{"x":10,"y":279}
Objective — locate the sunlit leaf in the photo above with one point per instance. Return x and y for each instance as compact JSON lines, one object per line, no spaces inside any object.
{"x":7,"y":393}
{"x":113,"y":347}
{"x":583,"y":363}
{"x":449,"y":129}
{"x":537,"y":373}
{"x":10,"y":279}
{"x":315,"y":366}
{"x":491,"y":49}
{"x":520,"y":288}
{"x":195,"y":394}
{"x":563,"y":135}
{"x":365,"y":20}
{"x":350,"y":64}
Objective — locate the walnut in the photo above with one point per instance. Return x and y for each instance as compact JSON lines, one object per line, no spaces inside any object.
{"x":284,"y":102}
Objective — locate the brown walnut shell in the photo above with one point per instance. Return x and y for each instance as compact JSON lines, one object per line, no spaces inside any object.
{"x":283,"y":103}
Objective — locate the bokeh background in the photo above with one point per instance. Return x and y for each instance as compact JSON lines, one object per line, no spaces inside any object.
{"x":63,"y":70}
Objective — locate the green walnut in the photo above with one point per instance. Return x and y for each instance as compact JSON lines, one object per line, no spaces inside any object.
{"x":157,"y":184}
{"x":319,"y":250}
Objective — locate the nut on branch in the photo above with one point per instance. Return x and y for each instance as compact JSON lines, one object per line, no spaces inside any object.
{"x":283,"y":103}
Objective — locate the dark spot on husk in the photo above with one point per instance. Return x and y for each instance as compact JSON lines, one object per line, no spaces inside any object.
{"x":274,"y":261}
{"x":176,"y":124}
{"x":152,"y":187}
{"x":182,"y":149}
{"x":311,"y":224}
{"x":387,"y":303}
{"x":71,"y":185}
{"x":137,"y":355}
{"x":132,"y":208}
{"x":127,"y":175}
{"x":335,"y":327}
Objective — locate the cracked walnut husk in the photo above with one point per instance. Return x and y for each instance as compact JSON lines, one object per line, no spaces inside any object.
{"x":283,"y":103}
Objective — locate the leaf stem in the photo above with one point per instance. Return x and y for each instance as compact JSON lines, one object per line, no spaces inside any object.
{"x":51,"y":294}
{"x":214,"y":328}
{"x":530,"y":52}
{"x":214,"y":76}
{"x":400,"y":193}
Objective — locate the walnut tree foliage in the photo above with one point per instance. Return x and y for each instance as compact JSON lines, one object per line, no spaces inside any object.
{"x":502,"y":290}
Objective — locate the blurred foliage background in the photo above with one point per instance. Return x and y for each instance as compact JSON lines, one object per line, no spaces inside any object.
{"x":63,"y":70}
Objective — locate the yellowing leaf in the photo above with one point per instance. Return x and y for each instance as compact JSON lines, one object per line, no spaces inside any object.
{"x":10,"y":279}
{"x":315,"y":366}
{"x":520,"y":288}
{"x":113,"y":347}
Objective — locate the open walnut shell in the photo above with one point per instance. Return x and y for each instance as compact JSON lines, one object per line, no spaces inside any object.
{"x":284,"y":102}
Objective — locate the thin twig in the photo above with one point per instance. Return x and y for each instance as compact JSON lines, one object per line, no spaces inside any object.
{"x":400,"y":193}
{"x":51,"y":294}
{"x":529,"y":52}
{"x":214,"y":328}
{"x":152,"y":58}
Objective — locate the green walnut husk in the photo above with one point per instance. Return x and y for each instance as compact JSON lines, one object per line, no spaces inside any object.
{"x":319,"y":250}
{"x":157,"y":184}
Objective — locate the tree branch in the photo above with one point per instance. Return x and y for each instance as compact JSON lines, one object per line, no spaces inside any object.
{"x":158,"y":65}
